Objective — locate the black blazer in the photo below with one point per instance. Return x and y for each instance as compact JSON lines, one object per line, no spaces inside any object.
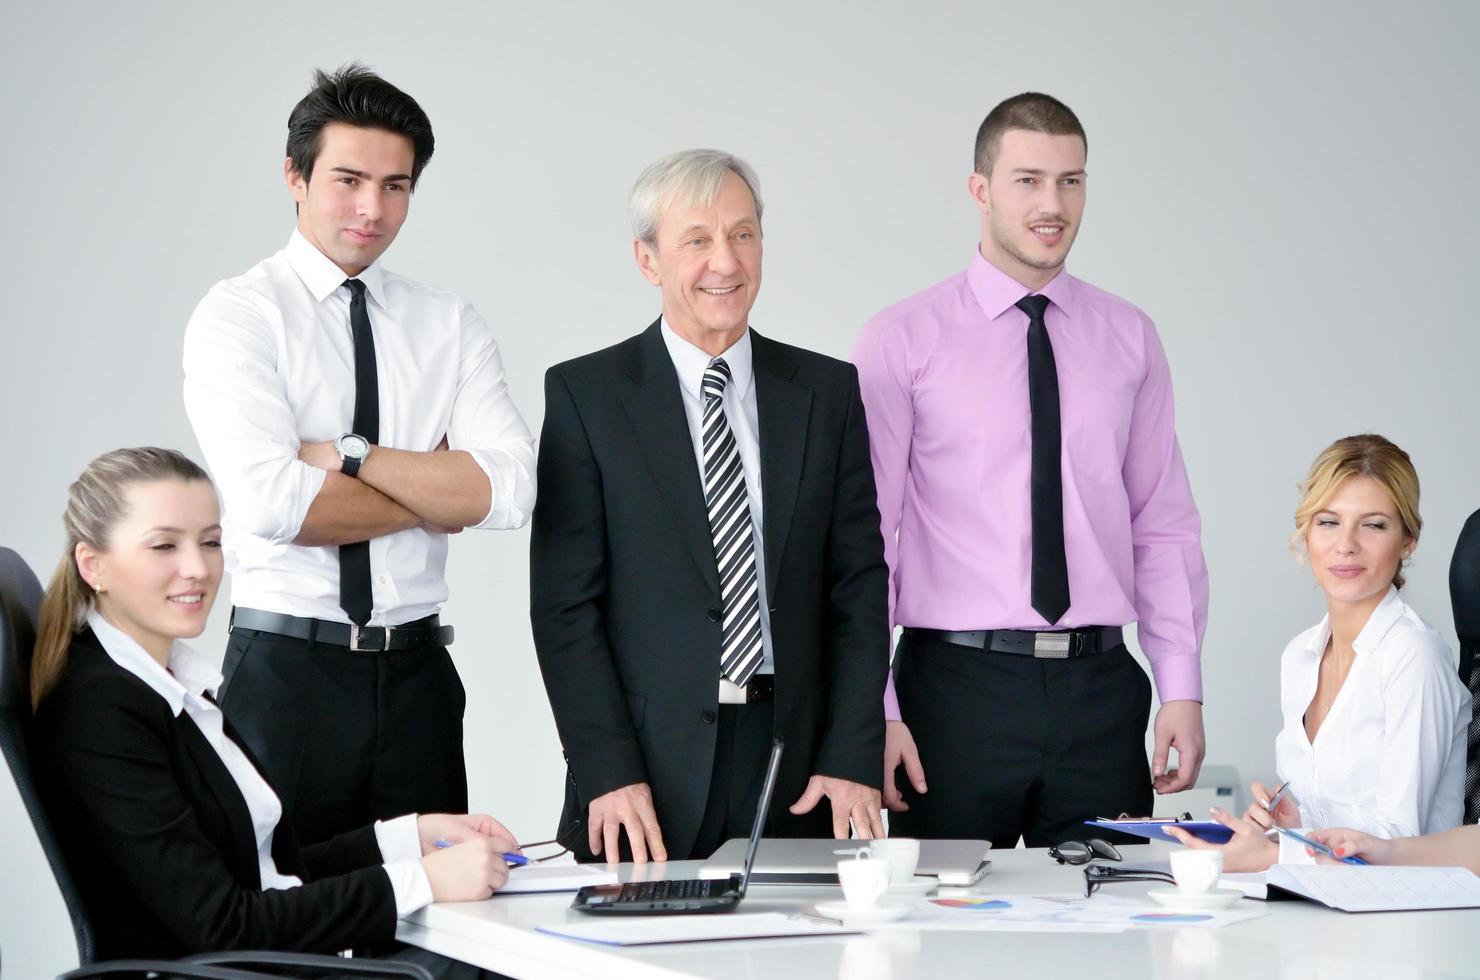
{"x":624,"y":589}
{"x":159,"y":838}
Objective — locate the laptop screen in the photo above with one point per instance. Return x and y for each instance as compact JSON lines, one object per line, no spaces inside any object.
{"x":763,"y":806}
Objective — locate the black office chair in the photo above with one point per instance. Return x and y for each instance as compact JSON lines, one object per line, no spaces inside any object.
{"x":1464,"y":592}
{"x":20,"y":606}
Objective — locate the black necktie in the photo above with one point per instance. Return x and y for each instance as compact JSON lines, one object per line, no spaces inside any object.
{"x":354,"y":559}
{"x":1050,"y":575}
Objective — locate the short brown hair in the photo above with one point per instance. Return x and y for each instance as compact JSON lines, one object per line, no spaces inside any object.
{"x":1367,"y":455}
{"x":1032,"y":111}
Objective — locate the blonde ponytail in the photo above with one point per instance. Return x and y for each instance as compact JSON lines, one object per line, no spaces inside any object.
{"x":67,"y":599}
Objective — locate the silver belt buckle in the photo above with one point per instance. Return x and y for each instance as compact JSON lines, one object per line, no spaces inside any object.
{"x":1051,"y":646}
{"x":355,"y":634}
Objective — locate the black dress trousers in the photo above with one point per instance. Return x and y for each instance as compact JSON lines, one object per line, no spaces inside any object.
{"x":1014,"y":746}
{"x":348,"y":738}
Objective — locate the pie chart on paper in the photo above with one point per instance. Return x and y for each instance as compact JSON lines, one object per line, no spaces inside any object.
{"x":972,"y":904}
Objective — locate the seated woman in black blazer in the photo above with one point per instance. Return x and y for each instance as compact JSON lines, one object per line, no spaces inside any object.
{"x":175,"y":838}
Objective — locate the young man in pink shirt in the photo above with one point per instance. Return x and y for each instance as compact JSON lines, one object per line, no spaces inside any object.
{"x":1034,"y":501}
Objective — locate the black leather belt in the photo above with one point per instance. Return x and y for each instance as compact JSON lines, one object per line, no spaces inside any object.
{"x":426,"y":632}
{"x":760,"y":687}
{"x":1047,"y":645}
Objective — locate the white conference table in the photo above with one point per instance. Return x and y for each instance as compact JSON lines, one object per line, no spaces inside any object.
{"x":1292,"y":940}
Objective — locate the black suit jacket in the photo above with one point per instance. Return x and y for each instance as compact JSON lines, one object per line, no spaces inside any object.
{"x":624,"y":589}
{"x":160,"y":841}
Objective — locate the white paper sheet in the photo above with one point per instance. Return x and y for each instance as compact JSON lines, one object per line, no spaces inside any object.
{"x":1058,"y":913}
{"x":647,"y":930}
{"x":555,"y":878}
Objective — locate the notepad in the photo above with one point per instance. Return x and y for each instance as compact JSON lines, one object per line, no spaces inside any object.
{"x":643,"y":931}
{"x":533,"y":878}
{"x":1371,"y":889}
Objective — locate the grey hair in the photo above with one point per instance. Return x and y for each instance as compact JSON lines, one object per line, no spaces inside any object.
{"x":686,"y":178}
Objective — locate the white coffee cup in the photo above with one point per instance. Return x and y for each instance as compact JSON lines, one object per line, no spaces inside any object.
{"x":903,"y":855}
{"x":1197,"y":872}
{"x":864,"y":880}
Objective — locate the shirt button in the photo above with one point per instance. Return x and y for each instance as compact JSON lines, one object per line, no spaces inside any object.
{"x":706,"y":716}
{"x":714,"y":616}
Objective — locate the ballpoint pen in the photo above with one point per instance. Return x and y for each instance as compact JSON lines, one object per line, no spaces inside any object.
{"x":1274,"y":801}
{"x":1320,"y":848}
{"x":512,"y":860}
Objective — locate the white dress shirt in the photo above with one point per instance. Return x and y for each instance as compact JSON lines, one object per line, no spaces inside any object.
{"x":269,"y":365}
{"x":1389,"y":758}
{"x":185,"y":687}
{"x":740,"y":411}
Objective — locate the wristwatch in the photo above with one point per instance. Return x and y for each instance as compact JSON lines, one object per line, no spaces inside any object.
{"x":353,"y":450}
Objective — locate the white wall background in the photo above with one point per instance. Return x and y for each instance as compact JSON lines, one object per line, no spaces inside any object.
{"x":1288,"y":189}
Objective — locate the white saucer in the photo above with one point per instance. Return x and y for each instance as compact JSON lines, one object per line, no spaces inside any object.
{"x":912,"y":888}
{"x":883,"y":912}
{"x":1218,"y":898}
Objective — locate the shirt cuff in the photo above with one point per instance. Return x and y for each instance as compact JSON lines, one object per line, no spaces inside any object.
{"x":510,"y":489}
{"x":398,"y":839}
{"x":1292,"y":851}
{"x":1178,"y":677}
{"x":400,"y":849}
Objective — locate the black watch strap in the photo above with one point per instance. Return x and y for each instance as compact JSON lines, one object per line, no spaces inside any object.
{"x":350,"y":466}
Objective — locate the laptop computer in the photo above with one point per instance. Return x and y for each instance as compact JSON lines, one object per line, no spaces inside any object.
{"x":685,"y":895}
{"x":814,"y":861}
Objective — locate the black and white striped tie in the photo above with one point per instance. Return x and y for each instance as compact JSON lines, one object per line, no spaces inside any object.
{"x":734,"y":543}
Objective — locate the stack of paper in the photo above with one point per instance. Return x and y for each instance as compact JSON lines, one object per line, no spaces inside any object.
{"x":1368,"y":889}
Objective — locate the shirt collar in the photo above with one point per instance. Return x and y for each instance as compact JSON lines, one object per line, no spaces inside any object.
{"x":190,"y":674}
{"x":690,"y":362}
{"x":997,"y":292}
{"x":322,"y":276}
{"x":1388,"y":612}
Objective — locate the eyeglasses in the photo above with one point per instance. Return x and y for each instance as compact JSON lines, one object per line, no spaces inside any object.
{"x":1096,"y":875}
{"x":561,"y":852}
{"x":1083,"y":851}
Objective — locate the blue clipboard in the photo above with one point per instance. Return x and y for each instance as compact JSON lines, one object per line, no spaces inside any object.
{"x":1209,"y":830}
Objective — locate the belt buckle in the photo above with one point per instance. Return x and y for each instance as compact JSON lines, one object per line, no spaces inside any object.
{"x":356,"y":633}
{"x":1052,"y":646}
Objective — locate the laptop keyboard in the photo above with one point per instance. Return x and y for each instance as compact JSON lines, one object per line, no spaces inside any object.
{"x":675,"y":890}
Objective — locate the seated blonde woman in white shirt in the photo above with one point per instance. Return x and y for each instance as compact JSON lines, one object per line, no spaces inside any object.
{"x":1374,"y":712}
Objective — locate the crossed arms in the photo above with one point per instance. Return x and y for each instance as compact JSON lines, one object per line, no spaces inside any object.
{"x":282,"y":483}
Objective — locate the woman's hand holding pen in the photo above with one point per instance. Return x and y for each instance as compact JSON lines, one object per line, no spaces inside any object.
{"x":1346,"y":843}
{"x":1270,"y":810}
{"x":467,"y":872}
{"x":438,"y":830}
{"x":465,"y":855}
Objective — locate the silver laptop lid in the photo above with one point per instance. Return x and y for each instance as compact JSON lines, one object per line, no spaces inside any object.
{"x":815,"y":860}
{"x":762,"y":808}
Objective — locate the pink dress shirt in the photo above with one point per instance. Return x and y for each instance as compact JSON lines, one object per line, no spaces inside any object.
{"x":944,"y":376}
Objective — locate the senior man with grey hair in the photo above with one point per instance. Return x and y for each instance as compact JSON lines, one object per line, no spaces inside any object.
{"x":706,"y":567}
